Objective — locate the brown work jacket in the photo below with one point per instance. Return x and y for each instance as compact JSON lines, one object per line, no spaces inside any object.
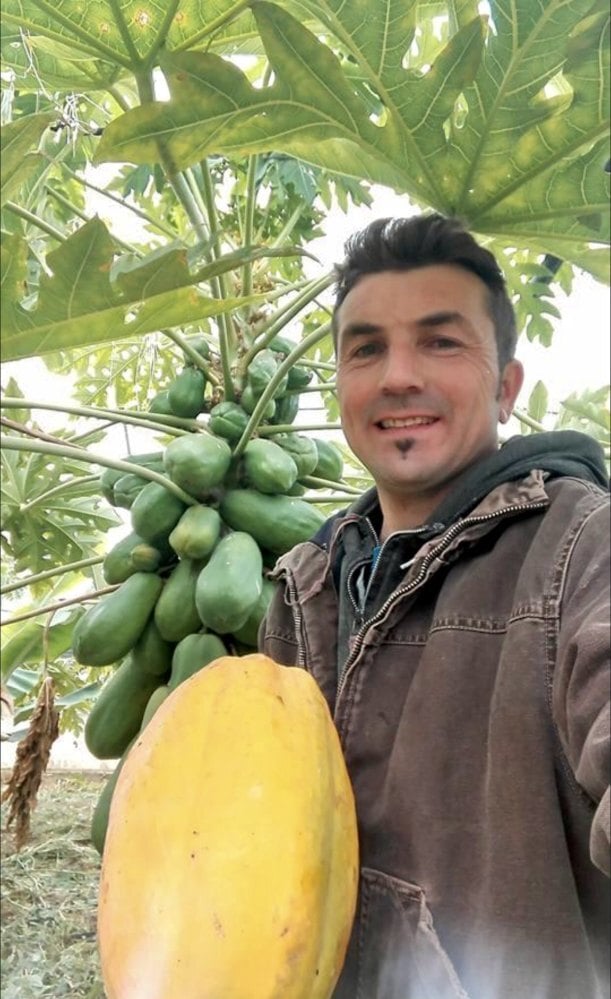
{"x":473,"y":712}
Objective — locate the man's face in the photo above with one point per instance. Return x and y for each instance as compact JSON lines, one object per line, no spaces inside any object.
{"x":419,"y":387}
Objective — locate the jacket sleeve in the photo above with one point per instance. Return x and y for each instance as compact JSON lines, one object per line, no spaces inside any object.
{"x":581,"y":677}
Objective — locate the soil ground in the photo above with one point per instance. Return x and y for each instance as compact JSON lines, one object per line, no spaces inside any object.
{"x":49,"y":895}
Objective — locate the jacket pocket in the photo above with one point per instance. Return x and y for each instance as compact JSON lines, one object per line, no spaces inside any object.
{"x":398,"y":953}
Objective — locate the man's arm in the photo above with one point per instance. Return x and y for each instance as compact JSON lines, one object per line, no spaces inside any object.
{"x":582,"y":674}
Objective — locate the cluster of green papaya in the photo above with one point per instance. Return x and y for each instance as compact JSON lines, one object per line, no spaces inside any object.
{"x":193,"y":578}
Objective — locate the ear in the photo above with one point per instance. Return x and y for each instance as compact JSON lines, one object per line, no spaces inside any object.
{"x":511,"y":382}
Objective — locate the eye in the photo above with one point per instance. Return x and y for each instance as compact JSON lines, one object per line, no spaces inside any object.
{"x":444,"y":343}
{"x":368,"y":349}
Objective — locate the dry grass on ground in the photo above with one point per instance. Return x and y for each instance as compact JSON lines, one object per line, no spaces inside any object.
{"x":49,"y":895}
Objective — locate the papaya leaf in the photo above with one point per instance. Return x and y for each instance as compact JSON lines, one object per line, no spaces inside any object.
{"x":42,"y":530}
{"x":128,"y":32}
{"x":78,"y":305}
{"x":508,"y":128}
{"x":537,"y":402}
{"x":24,"y":645}
{"x":62,"y":67}
{"x":19,"y":138}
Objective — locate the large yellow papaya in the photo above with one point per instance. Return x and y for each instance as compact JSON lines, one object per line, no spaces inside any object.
{"x":230,"y":865}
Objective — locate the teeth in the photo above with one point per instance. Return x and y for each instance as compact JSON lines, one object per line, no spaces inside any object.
{"x":411,"y":421}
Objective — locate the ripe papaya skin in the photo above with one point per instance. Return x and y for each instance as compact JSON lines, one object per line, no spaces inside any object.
{"x":99,"y":819}
{"x":249,"y":918}
{"x":111,"y":628}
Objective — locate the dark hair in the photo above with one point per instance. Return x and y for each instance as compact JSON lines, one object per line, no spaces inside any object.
{"x":406,"y":244}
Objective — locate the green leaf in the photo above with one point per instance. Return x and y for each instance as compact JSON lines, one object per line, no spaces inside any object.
{"x":24,"y":645}
{"x":538,"y":401}
{"x":18,"y":139}
{"x":510,"y":135}
{"x":128,"y":33}
{"x":62,"y":67}
{"x":78,"y":305}
{"x":42,"y":527}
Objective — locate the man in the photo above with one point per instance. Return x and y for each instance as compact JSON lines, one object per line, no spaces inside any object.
{"x":456,"y":618}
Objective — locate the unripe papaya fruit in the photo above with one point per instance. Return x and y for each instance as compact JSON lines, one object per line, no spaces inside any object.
{"x":197,"y":462}
{"x":175,"y":611}
{"x":155,"y":513}
{"x":160,"y":403}
{"x":120,"y":563}
{"x":228,"y":420}
{"x":302,"y":450}
{"x":200,"y":895}
{"x":267,"y":467}
{"x":248,"y":634}
{"x":330,"y":464}
{"x":248,"y":401}
{"x":192,"y":653}
{"x":197,"y":532}
{"x":286,"y":409}
{"x":111,"y":628}
{"x":117,"y":712}
{"x":275,"y":522}
{"x":230,"y":584}
{"x":152,"y":653}
{"x":186,"y":393}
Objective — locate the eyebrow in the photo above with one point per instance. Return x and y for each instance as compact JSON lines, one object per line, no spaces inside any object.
{"x":429,"y":321}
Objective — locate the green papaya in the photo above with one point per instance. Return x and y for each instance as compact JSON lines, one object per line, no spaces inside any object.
{"x":186,"y":393}
{"x":155,"y":513}
{"x":330,"y":464}
{"x":286,"y":409}
{"x":160,"y":403}
{"x":197,"y":462}
{"x":230,"y":584}
{"x":117,"y":712}
{"x":196,"y":533}
{"x":152,"y":653}
{"x":131,"y":554}
{"x":302,"y":450}
{"x":155,"y":701}
{"x":99,"y":819}
{"x":200,"y":345}
{"x":192,"y":653}
{"x":228,"y":420}
{"x":110,"y":476}
{"x":267,"y":467}
{"x":249,"y":632}
{"x":248,"y":401}
{"x":111,"y":628}
{"x":175,"y":611}
{"x":260,"y":372}
{"x":299,"y":377}
{"x":275,"y":522}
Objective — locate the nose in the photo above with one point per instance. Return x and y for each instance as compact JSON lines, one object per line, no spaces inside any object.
{"x":402,"y":371}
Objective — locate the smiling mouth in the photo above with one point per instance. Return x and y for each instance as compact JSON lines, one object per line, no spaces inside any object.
{"x":397,"y":423}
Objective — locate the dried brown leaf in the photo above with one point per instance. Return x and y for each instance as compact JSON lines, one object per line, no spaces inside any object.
{"x":31,"y":761}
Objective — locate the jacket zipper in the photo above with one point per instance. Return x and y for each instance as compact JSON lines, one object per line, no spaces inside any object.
{"x":449,"y":536}
{"x":298,"y":618}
